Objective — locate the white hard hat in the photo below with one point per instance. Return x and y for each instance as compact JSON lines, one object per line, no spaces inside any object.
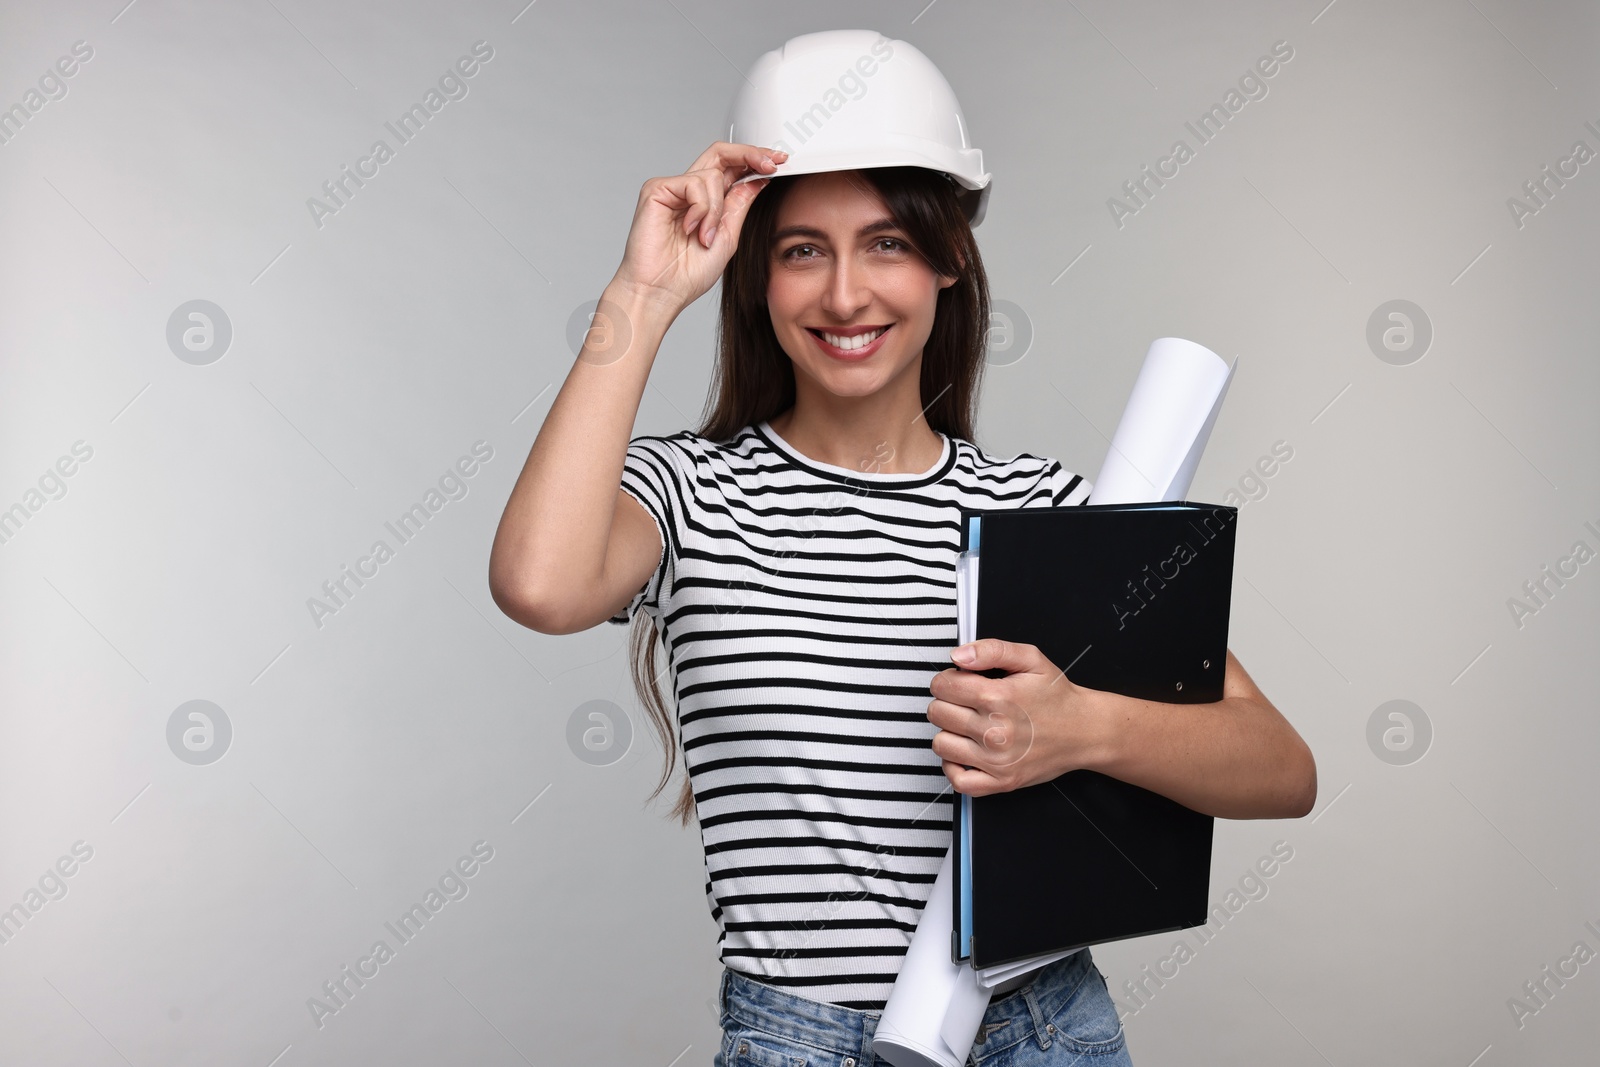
{"x":852,"y":99}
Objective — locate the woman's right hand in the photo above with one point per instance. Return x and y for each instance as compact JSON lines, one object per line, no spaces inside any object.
{"x":686,"y":226}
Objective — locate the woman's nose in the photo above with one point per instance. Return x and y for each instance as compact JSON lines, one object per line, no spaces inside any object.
{"x":847,"y":289}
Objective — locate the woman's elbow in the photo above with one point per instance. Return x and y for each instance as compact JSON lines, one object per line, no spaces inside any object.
{"x":1302,"y":791}
{"x":522,"y":606}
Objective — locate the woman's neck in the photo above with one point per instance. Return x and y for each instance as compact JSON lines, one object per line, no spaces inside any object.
{"x":891,"y":444}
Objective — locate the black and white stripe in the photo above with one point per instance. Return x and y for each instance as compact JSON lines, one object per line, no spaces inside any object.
{"x":805,"y":608}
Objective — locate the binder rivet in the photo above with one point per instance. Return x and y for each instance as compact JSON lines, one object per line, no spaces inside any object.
{"x":743,"y":1048}
{"x":1049,"y":1028}
{"x":849,"y":1061}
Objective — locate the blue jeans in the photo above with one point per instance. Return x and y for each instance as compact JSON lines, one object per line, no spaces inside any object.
{"x":1064,"y":1016}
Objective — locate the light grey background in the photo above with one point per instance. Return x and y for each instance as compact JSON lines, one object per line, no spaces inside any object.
{"x":370,"y":752}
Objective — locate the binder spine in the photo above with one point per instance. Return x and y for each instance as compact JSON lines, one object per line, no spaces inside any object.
{"x":961,"y":829}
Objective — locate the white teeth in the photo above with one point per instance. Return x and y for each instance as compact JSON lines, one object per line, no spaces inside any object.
{"x":849,"y":343}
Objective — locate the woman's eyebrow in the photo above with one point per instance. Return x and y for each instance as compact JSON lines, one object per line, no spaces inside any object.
{"x":875,"y":226}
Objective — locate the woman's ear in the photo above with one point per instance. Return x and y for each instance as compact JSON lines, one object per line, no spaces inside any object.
{"x":945,"y":280}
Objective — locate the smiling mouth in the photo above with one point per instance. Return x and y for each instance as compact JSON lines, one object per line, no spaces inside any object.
{"x":850,"y":342}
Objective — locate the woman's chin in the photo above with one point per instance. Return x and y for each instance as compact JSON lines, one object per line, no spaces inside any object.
{"x":851,"y":381}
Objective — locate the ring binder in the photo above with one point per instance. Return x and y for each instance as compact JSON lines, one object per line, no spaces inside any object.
{"x":1124,"y":861}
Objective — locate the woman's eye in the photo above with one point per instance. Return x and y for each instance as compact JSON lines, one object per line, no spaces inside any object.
{"x":894,"y":243}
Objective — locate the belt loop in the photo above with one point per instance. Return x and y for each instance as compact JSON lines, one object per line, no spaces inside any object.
{"x":1038,"y":1016}
{"x":722,"y":994}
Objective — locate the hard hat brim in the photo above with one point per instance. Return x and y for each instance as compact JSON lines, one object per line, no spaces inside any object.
{"x":972,"y":193}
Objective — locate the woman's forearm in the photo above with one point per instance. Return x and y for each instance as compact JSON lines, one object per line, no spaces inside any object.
{"x":1236,"y":758}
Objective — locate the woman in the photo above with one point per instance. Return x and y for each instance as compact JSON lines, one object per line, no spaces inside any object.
{"x":798,"y":552}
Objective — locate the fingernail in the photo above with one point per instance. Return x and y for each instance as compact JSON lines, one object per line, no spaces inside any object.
{"x":711,"y":235}
{"x":964,"y":654}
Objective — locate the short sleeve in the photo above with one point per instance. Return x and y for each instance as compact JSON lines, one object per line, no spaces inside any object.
{"x":1067,"y":488}
{"x":658,"y":472}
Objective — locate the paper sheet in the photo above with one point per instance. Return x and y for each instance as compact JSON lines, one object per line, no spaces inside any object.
{"x":932,"y":1016}
{"x":989,"y":977}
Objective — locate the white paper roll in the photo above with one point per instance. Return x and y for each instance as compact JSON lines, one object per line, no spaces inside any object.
{"x":1165,"y":425}
{"x":932,"y":1016}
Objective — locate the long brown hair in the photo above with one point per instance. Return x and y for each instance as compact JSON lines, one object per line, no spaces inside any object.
{"x":754,"y":376}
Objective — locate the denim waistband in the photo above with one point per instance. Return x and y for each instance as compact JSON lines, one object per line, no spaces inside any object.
{"x":750,"y":1002}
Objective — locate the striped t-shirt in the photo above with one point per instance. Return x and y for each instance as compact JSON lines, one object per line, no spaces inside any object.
{"x":805,"y":608}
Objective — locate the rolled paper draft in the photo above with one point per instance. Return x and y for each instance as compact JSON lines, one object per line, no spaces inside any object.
{"x":933,"y":1012}
{"x":1165,"y":426}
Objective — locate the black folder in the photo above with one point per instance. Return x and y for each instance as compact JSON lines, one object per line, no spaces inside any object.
{"x":1128,"y":598}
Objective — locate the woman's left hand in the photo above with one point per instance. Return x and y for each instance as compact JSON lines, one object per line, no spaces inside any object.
{"x":1000,"y":734}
